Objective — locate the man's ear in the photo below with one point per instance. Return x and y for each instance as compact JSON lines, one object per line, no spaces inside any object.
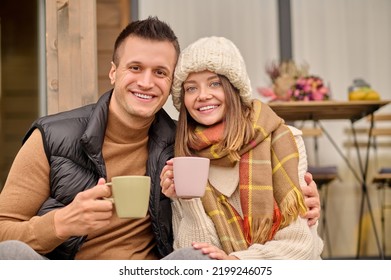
{"x":112,"y":73}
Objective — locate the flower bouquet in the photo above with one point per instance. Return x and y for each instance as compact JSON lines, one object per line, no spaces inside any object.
{"x":309,"y":88}
{"x":293,"y":82}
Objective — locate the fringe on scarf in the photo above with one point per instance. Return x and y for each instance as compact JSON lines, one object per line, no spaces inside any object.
{"x":292,"y":206}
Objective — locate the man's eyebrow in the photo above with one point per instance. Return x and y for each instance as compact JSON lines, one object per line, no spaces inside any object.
{"x":136,"y":62}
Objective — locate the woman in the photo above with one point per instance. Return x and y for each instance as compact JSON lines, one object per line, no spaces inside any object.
{"x":253,"y":205}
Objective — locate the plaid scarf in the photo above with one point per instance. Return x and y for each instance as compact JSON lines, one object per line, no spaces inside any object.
{"x":268,"y":182}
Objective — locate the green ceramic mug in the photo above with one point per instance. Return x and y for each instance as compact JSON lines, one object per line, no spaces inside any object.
{"x":130,"y":195}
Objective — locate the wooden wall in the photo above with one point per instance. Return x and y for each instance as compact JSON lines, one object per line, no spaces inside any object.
{"x":71,"y":54}
{"x":79,"y":49}
{"x":18,"y":77}
{"x":80,"y":36}
{"x":112,"y":16}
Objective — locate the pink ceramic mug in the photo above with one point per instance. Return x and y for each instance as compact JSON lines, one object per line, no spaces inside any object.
{"x":190,"y":176}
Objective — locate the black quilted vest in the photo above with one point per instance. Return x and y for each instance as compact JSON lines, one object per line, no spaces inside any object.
{"x":73,"y":146}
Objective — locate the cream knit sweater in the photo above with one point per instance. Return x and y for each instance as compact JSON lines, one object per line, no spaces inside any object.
{"x":296,"y":241}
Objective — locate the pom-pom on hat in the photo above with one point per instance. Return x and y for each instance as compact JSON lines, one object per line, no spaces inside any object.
{"x":218,"y":55}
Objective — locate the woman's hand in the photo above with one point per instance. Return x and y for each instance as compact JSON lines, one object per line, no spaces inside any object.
{"x":212,"y":251}
{"x":312,"y":200}
{"x":167,"y":180}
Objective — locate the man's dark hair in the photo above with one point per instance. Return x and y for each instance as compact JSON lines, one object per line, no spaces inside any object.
{"x":152,"y":29}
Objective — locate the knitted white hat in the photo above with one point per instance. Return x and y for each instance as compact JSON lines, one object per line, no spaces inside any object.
{"x":218,"y":55}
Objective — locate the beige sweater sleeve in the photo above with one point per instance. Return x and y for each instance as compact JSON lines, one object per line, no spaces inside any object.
{"x":191,"y":223}
{"x":26,"y":188}
{"x":303,"y":164}
{"x":294,"y":242}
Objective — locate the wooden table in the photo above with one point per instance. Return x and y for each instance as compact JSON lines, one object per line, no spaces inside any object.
{"x":326,"y":110}
{"x":338,"y":110}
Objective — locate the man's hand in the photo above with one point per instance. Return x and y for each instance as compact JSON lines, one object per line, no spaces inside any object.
{"x":312,"y":200}
{"x":86,"y":213}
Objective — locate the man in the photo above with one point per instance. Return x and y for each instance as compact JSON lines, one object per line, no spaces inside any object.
{"x":52,"y":200}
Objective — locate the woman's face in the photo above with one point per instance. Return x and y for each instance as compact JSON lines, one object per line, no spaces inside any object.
{"x":204,"y":97}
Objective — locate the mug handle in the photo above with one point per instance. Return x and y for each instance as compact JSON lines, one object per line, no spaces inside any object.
{"x":111,"y":199}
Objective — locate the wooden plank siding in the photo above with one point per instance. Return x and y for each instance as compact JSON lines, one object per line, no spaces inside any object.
{"x":18,"y":77}
{"x":3,"y":170}
{"x":52,"y":57}
{"x":80,"y":36}
{"x":71,"y":54}
{"x":80,"y":41}
{"x":112,"y":16}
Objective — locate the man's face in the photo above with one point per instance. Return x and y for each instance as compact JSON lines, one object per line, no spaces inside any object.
{"x":142,"y":79}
